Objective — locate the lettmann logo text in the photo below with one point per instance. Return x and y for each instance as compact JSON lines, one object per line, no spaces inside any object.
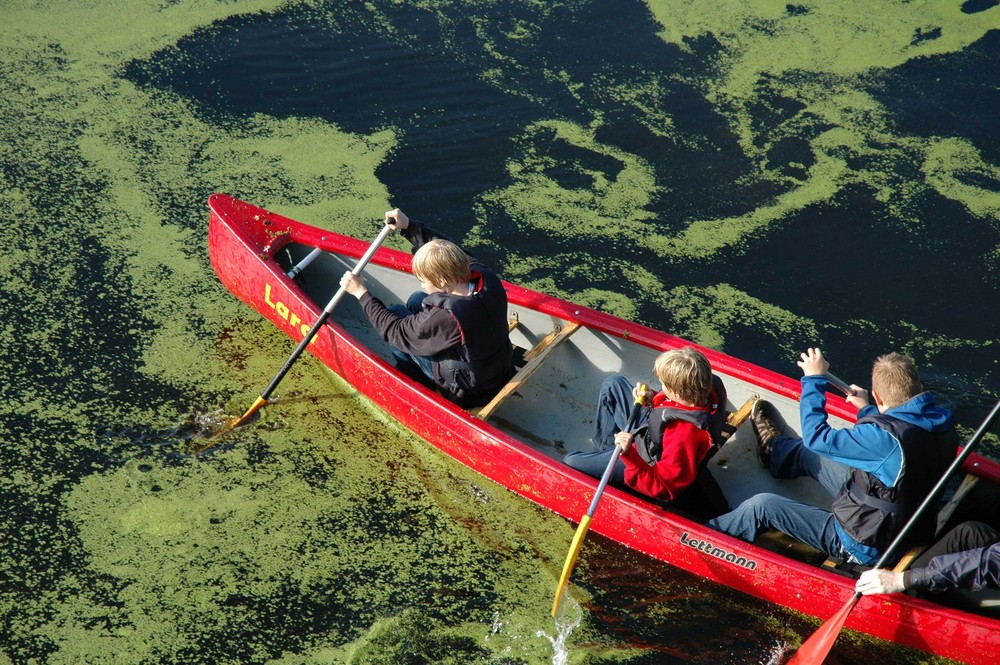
{"x":718,"y":552}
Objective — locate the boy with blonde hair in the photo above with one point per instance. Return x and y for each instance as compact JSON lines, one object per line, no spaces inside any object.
{"x":441,"y":263}
{"x":452,"y":335}
{"x":673,"y":436}
{"x":878,"y":471}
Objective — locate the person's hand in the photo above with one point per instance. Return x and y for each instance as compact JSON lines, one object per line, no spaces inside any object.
{"x":623,"y":440}
{"x":859,"y":399}
{"x":879,"y":580}
{"x":642,"y":394}
{"x":813,"y":362}
{"x":353,"y":284}
{"x":397,"y":219}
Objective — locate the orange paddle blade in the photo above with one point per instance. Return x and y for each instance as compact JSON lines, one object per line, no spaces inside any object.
{"x":252,"y":410}
{"x":814,"y":650}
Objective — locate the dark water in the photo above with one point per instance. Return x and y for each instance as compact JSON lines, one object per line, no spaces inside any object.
{"x":757,"y":180}
{"x":865,"y":275}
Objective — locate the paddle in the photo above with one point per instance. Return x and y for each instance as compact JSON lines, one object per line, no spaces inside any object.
{"x":840,"y":384}
{"x":584,"y":526}
{"x":815,"y":649}
{"x":262,"y":400}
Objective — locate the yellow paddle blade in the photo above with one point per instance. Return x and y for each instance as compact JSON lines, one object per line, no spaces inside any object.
{"x":261,"y":401}
{"x":233,"y":425}
{"x":574,"y":549}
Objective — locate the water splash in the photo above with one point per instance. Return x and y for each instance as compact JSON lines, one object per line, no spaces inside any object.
{"x":778,"y":653}
{"x":126,"y":441}
{"x":567,"y":620}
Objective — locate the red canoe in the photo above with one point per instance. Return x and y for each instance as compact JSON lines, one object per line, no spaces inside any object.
{"x":518,"y":440}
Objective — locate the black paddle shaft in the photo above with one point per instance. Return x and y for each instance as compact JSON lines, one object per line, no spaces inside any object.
{"x":932,"y":497}
{"x":362,"y":262}
{"x":295,"y":355}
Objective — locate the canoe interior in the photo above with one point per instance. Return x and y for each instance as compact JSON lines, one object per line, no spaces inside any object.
{"x":553,"y":411}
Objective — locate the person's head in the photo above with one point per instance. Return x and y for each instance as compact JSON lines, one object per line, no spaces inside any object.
{"x":440,"y":263}
{"x":686,"y":373}
{"x":895,"y":380}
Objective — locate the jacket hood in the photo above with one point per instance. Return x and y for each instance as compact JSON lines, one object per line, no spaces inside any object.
{"x":924,"y":412}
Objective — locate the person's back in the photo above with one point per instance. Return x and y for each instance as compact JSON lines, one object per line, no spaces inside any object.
{"x":452,"y":335}
{"x":474,"y":368}
{"x":878,"y":471}
{"x":883,"y":494}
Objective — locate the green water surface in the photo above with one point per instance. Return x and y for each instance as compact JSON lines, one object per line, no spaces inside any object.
{"x":324,"y":533}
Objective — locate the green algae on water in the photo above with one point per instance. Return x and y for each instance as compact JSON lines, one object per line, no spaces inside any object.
{"x":324,"y":533}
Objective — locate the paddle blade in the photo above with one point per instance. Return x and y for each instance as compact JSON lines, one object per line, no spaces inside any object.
{"x":814,"y":650}
{"x":574,"y":549}
{"x":233,"y":425}
{"x":254,"y":408}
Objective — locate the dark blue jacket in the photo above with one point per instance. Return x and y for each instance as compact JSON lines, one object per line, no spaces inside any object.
{"x":465,"y":337}
{"x":972,"y":569}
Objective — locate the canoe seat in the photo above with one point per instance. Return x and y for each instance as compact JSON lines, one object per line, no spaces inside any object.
{"x":835,"y":564}
{"x":534,"y":358}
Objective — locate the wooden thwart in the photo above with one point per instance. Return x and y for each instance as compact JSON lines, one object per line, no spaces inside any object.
{"x":738,"y":417}
{"x":554,"y":338}
{"x":908,"y":558}
{"x":534,"y":357}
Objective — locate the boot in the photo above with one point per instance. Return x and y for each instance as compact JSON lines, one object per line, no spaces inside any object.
{"x":761,"y":419}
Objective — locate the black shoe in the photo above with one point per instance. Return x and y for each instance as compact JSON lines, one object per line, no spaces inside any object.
{"x":763,"y":426}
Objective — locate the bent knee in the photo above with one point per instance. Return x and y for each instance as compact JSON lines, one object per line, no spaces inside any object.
{"x":760,"y":503}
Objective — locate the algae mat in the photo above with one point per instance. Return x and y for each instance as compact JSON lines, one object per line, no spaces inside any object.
{"x":757,"y":178}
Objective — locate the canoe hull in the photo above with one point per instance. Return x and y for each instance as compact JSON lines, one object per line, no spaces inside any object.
{"x":243,"y":243}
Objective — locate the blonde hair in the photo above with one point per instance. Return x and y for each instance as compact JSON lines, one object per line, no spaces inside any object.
{"x":686,"y":373}
{"x":895,"y":379}
{"x":441,"y":262}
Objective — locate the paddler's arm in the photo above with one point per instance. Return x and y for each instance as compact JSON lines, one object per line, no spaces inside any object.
{"x":419,"y":235}
{"x":353,"y":284}
{"x":424,"y":334}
